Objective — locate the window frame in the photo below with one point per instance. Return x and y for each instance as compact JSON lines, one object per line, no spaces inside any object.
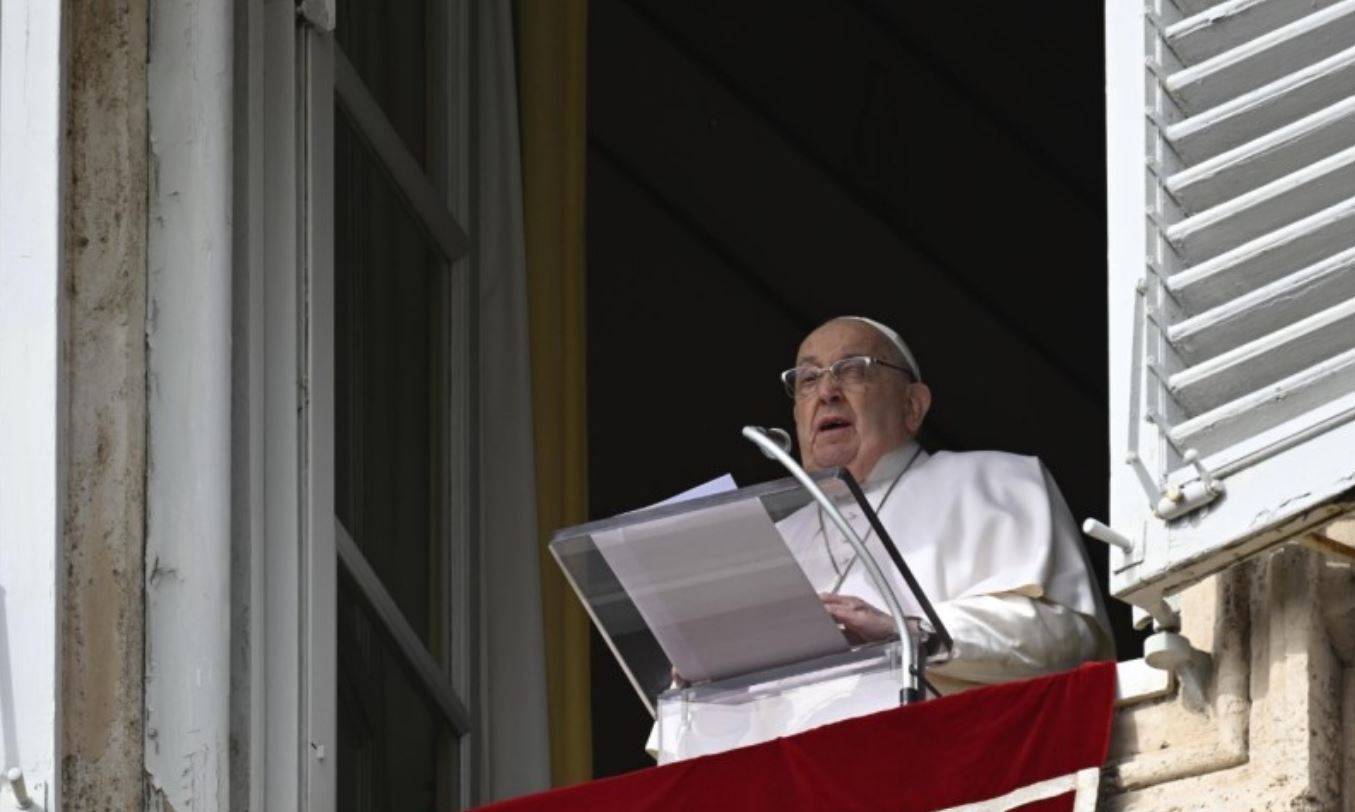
{"x":304,"y":78}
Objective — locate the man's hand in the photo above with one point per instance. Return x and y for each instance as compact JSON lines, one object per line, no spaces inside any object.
{"x":861,"y":622}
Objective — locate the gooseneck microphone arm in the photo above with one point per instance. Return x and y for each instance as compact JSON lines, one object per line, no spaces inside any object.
{"x":910,"y":651}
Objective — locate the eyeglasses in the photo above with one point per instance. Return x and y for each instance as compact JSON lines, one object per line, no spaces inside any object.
{"x":803,"y":381}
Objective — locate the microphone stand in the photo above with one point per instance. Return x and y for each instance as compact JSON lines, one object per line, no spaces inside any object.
{"x":910,"y":635}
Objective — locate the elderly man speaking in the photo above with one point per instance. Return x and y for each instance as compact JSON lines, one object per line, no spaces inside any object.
{"x":986,"y":534}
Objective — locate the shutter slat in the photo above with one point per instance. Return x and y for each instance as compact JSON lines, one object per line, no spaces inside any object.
{"x":1266,"y":309}
{"x":1280,"y":202}
{"x":1265,"y":259}
{"x":1265,"y":159}
{"x":1330,"y":382}
{"x":1264,"y":109}
{"x":1264,"y":59}
{"x":1262,"y":362}
{"x":1197,"y":6}
{"x":1228,"y":24}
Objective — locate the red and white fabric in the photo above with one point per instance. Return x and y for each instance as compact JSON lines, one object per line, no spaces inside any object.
{"x":1032,"y":745}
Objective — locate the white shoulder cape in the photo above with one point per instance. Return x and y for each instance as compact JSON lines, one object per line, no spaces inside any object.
{"x":966,"y":524}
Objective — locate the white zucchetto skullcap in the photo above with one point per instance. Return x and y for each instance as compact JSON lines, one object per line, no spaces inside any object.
{"x":894,"y":338}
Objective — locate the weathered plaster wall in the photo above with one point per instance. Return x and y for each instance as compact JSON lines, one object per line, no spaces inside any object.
{"x":102,"y":632}
{"x":1270,"y":733}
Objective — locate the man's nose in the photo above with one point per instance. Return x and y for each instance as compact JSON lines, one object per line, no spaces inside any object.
{"x":830,"y":388}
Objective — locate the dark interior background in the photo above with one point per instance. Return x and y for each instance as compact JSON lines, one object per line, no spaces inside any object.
{"x":755,"y":168}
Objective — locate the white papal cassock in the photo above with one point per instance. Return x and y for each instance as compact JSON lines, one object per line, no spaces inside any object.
{"x":990,"y":540}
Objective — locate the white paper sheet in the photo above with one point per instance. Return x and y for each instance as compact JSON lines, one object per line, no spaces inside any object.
{"x":721,"y":484}
{"x":720,"y":590}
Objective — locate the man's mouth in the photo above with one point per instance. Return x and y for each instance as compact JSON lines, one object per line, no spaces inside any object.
{"x":830,"y":427}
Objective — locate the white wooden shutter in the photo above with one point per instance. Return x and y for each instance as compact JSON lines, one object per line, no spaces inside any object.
{"x":1231,"y":183}
{"x":32,"y":391}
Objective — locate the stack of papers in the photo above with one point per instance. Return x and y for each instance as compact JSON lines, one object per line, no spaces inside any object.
{"x":719,"y":588}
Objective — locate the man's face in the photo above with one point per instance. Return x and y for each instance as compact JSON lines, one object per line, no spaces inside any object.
{"x":851,"y":427}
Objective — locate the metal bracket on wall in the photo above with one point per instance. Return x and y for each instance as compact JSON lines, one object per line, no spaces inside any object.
{"x":19,"y":796}
{"x":1173,"y":652}
{"x":1166,"y":649}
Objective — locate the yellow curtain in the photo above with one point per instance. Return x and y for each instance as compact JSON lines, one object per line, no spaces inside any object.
{"x":551,"y":68}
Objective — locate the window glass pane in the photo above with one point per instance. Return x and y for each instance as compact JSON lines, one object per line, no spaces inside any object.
{"x":390,"y":313}
{"x":395,"y":750}
{"x":386,"y":40}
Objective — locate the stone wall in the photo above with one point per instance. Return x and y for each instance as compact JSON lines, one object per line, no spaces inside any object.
{"x":105,"y":245}
{"x":1272,"y":726}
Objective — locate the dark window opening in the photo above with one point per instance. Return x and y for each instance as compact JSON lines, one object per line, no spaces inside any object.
{"x":754,"y":170}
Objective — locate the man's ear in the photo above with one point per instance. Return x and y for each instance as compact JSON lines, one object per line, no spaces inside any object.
{"x":919,"y":400}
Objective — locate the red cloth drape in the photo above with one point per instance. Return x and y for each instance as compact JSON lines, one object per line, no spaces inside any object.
{"x":970,"y":747}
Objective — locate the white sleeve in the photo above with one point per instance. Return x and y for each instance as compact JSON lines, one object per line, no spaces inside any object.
{"x":652,"y":743}
{"x":1008,"y":637}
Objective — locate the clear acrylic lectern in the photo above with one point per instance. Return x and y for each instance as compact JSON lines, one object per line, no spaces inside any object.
{"x":709,"y":607}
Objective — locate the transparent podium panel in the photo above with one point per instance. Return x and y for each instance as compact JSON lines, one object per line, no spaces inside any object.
{"x":705,"y":719}
{"x":716,"y":587}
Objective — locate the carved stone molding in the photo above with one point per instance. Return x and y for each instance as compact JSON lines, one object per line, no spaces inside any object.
{"x":1277,"y":733}
{"x":1167,"y":740}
